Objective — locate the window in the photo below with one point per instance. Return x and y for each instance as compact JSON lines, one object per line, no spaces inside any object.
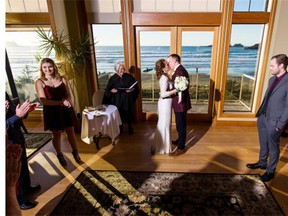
{"x":196,"y":57}
{"x":22,"y":47}
{"x":250,"y":5}
{"x":242,"y":67}
{"x":153,"y":45}
{"x":108,"y":50}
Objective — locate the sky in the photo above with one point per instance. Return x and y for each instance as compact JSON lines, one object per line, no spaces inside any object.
{"x":247,"y":35}
{"x":106,"y":35}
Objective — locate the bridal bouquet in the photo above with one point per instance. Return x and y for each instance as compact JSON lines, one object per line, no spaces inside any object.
{"x":181,"y":84}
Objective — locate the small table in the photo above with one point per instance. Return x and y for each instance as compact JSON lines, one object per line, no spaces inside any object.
{"x":97,"y":123}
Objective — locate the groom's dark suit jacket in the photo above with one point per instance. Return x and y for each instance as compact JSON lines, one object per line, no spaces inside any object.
{"x":185,"y":104}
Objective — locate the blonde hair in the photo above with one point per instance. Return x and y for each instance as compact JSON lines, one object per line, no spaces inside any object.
{"x":48,"y":60}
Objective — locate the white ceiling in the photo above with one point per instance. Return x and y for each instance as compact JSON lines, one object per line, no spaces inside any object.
{"x":113,"y":6}
{"x":22,"y":6}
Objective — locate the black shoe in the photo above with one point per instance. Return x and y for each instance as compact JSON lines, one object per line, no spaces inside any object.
{"x":121,"y":129}
{"x":77,"y":157}
{"x":284,"y":134}
{"x":256,"y":166}
{"x":28,"y":205}
{"x":61,"y":159}
{"x":267,"y":176}
{"x":130,"y":130}
{"x":33,"y":188}
{"x":177,"y":152}
{"x":175,"y":142}
{"x":153,"y":150}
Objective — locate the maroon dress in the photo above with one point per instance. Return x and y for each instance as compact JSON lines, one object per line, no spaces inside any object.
{"x":57,"y":117}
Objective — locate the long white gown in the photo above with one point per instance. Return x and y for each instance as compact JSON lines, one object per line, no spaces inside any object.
{"x":162,"y":140}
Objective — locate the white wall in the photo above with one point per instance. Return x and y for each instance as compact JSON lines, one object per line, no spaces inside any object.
{"x":279,"y":40}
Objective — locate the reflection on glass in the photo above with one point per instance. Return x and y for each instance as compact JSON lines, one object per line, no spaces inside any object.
{"x":196,"y":58}
{"x":242,"y":67}
{"x":149,"y":54}
{"x":108,"y":49}
{"x":22,"y":47}
{"x":250,"y":5}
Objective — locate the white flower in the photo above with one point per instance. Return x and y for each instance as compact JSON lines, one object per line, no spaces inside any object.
{"x":180,"y":84}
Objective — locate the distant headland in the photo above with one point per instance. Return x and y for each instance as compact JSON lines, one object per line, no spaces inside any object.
{"x":255,"y":46}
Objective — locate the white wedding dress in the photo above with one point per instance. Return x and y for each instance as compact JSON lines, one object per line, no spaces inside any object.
{"x":162,"y":140}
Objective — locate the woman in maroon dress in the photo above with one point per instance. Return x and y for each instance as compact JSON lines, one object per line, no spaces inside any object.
{"x":53,"y":91}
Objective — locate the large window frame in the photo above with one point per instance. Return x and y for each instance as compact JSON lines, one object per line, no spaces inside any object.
{"x":223,"y":19}
{"x":230,"y":18}
{"x":105,"y":63}
{"x":22,"y":67}
{"x":23,"y":21}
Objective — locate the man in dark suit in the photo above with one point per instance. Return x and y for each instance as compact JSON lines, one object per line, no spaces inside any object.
{"x":272,"y":117}
{"x":180,"y":108}
{"x":14,"y":116}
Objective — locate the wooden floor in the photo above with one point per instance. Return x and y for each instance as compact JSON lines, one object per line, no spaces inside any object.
{"x":224,"y":149}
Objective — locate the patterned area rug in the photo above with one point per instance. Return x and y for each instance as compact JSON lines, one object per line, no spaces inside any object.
{"x":35,"y":141}
{"x":163,"y":193}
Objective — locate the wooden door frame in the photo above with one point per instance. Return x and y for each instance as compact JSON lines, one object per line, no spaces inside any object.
{"x":201,"y":117}
{"x":175,"y":47}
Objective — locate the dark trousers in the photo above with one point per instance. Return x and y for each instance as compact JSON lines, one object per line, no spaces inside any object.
{"x":24,"y":174}
{"x":269,"y":143}
{"x":180,"y":118}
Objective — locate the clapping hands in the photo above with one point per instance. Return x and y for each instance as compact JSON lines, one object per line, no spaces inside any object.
{"x":26,"y":107}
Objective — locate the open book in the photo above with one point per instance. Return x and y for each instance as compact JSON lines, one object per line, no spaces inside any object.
{"x":130,"y":86}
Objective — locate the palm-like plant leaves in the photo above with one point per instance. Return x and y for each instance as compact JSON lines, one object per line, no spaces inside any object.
{"x":56,"y":42}
{"x":78,"y":56}
{"x":81,"y":52}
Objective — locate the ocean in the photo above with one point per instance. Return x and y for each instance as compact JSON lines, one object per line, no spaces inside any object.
{"x":196,"y":59}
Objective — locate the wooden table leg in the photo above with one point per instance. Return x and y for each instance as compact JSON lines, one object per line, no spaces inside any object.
{"x":96,"y":140}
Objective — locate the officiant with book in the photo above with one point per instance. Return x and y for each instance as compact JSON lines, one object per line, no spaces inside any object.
{"x":122,"y":91}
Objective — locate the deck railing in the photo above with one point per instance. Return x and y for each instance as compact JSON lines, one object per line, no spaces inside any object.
{"x":239,"y":88}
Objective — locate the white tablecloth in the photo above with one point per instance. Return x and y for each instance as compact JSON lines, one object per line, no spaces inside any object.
{"x":95,"y":122}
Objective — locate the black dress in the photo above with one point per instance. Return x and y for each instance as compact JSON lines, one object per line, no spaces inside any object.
{"x":57,"y":117}
{"x":123,"y":100}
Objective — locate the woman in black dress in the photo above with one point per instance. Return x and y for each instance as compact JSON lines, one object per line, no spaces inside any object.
{"x":53,"y":91}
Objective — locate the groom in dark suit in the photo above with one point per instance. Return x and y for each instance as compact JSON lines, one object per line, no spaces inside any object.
{"x":180,"y":108}
{"x":272,"y":117}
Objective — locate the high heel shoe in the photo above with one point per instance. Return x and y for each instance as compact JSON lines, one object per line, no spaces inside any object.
{"x":130,"y":129}
{"x":77,"y":157}
{"x":61,"y":159}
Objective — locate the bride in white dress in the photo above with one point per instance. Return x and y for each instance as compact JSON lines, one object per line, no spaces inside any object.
{"x":162,"y":140}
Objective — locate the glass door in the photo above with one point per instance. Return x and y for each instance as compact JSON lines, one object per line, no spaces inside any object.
{"x":152,"y":44}
{"x":195,"y":47}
